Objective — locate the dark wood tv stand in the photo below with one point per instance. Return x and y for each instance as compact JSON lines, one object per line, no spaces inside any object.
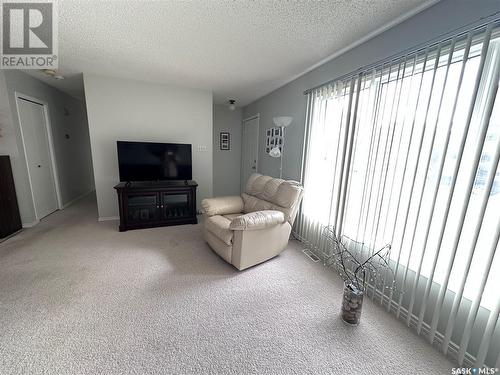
{"x":148,"y":204}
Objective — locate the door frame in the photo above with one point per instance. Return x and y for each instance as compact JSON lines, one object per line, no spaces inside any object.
{"x":48,"y":131}
{"x":256,"y":116}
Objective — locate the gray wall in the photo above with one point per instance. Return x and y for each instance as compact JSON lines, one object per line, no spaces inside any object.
{"x":289,"y":100}
{"x":227,"y":164}
{"x":120,"y":109}
{"x":72,"y":156}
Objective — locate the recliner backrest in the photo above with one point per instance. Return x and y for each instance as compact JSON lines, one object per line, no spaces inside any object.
{"x":269,"y":193}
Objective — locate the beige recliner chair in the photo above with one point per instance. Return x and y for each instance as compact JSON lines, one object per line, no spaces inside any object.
{"x":255,"y":227}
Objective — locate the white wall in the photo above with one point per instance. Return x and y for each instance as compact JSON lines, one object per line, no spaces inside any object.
{"x":120,"y":109}
{"x":227,"y":163}
{"x":72,"y":155}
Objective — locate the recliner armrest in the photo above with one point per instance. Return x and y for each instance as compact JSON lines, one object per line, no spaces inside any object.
{"x":257,"y":220}
{"x":222,"y":205}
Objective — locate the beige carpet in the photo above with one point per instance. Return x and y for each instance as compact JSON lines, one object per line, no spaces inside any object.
{"x":78,"y":297}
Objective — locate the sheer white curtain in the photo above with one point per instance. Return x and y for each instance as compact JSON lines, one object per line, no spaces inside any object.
{"x":407,"y":154}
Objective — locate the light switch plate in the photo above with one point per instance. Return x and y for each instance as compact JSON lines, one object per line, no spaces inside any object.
{"x":201,"y":148}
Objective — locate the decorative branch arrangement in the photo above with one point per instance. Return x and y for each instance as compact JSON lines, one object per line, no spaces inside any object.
{"x":354,"y":268}
{"x":358,"y":271}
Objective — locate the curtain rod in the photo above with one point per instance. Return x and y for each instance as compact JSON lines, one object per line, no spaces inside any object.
{"x":482,"y":22}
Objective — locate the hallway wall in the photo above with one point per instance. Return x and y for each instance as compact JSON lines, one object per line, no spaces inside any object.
{"x":69,"y":126}
{"x":227,"y":163}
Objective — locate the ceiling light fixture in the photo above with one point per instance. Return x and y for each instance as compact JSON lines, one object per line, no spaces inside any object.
{"x":232,"y":104}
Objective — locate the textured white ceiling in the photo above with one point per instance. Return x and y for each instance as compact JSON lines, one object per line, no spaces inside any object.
{"x":237,"y":49}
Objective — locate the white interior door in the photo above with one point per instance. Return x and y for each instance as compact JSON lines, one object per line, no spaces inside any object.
{"x":36,"y":145}
{"x":250,"y":149}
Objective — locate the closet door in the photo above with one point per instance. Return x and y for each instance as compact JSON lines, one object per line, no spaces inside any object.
{"x":36,"y":145}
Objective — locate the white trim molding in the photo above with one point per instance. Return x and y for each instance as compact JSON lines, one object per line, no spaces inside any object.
{"x":108,"y":218}
{"x":257,"y":116}
{"x":31,"y":225}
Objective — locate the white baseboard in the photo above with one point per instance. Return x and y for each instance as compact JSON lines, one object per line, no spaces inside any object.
{"x":30,"y":225}
{"x":108,"y":218}
{"x":76,"y":199}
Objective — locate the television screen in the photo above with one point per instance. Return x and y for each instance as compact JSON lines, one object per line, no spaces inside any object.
{"x":147,"y":161}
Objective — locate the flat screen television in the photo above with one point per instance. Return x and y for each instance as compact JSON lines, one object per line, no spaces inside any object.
{"x":147,"y":161}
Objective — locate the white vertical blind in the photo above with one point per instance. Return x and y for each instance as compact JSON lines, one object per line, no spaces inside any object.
{"x":407,"y":153}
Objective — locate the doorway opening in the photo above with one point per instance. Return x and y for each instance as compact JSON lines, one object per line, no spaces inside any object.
{"x":249,"y":149}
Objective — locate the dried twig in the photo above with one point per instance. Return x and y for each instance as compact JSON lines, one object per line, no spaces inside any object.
{"x":362,"y":269}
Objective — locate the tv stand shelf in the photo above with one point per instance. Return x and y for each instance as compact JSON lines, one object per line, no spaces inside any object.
{"x":148,"y":204}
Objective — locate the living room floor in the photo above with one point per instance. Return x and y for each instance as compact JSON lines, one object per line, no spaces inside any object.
{"x":78,"y":297}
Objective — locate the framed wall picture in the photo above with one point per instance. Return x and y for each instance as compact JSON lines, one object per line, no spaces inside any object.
{"x":274,"y":138}
{"x":225,"y":141}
